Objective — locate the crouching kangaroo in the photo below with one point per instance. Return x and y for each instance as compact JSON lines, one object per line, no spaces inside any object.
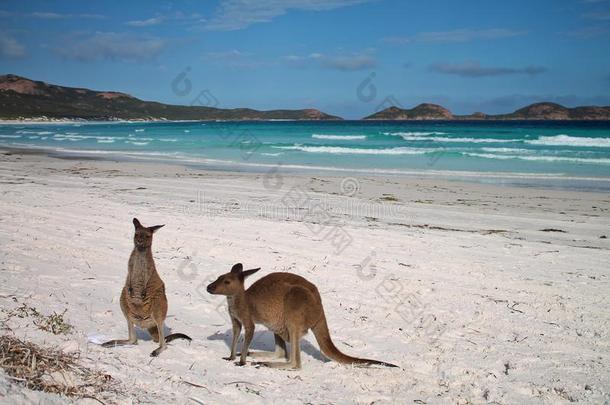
{"x":143,"y":299}
{"x":285,"y":303}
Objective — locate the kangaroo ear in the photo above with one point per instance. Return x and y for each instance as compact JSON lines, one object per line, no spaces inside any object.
{"x":137,"y":223}
{"x":155,"y":228}
{"x":249,"y":272}
{"x":237,"y":269}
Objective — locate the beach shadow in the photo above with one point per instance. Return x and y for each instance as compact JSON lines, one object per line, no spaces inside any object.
{"x":143,"y":334}
{"x":264,"y":340}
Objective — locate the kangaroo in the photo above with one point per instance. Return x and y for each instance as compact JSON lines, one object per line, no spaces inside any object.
{"x":288,"y":305}
{"x":143,"y":300}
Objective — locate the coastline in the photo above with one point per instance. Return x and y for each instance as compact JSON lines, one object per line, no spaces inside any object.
{"x":60,"y":121}
{"x":36,"y":121}
{"x":509,"y":179}
{"x":389,"y":192}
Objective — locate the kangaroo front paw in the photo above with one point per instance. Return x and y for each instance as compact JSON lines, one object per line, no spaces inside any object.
{"x":230,"y":358}
{"x":240,"y":363}
{"x":277,"y":365}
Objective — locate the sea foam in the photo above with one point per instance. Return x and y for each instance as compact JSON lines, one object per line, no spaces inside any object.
{"x":541,"y":158}
{"x":457,"y":140}
{"x":339,"y":137}
{"x":566,"y":140}
{"x":414,"y":133}
{"x":357,"y":151}
{"x":508,"y":150}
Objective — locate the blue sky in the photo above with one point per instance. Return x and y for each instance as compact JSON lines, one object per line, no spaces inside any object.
{"x":345,"y":57}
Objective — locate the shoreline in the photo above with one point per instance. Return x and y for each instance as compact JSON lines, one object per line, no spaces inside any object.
{"x":84,"y":121}
{"x":503,"y":179}
{"x":395,"y":189}
{"x":148,"y":121}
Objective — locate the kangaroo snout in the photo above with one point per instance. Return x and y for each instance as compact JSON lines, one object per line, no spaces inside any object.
{"x":211,"y":288}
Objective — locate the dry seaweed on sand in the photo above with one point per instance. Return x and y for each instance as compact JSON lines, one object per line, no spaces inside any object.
{"x":53,"y":371}
{"x":55,"y":323}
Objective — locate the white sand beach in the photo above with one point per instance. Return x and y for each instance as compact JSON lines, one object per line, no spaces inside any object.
{"x":480,"y":293}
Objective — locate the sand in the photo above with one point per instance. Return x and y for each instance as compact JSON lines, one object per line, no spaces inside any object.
{"x":480,"y":293}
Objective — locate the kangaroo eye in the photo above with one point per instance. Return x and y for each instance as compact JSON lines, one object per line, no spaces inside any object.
{"x":227,"y":282}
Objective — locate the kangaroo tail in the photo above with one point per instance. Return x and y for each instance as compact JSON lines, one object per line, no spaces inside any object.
{"x":328,"y":348}
{"x":174,"y":336}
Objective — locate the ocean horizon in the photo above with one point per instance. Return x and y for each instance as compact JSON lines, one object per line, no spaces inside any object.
{"x":558,"y":154}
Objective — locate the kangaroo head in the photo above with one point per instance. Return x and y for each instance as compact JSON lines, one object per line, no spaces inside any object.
{"x":143,"y":236}
{"x":231,"y":283}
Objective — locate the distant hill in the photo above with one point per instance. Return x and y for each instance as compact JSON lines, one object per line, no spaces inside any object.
{"x":552,"y":111}
{"x":421,"y":112}
{"x":533,"y":112}
{"x":24,"y":98}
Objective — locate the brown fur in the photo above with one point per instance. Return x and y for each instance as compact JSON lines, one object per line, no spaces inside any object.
{"x":143,"y":300}
{"x":288,"y":305}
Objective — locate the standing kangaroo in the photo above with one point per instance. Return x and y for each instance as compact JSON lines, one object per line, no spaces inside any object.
{"x":285,"y":303}
{"x":143,"y":299}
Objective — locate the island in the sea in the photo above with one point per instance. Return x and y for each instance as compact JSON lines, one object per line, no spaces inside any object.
{"x":535,"y":112}
{"x":25,"y":99}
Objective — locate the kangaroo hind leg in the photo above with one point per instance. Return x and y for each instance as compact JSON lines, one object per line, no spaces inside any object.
{"x":298,"y":304}
{"x":158,"y":315}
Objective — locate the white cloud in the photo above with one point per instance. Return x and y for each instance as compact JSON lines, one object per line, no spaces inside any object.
{"x":233,"y":59}
{"x":145,"y":23}
{"x":239,"y":14}
{"x":57,"y":16}
{"x":351,"y":62}
{"x":175,"y":18}
{"x":48,"y":15}
{"x":112,"y":46}
{"x":474,"y":69}
{"x":10,"y":48}
{"x":459,"y":35}
{"x":397,"y":40}
{"x":465,"y":35}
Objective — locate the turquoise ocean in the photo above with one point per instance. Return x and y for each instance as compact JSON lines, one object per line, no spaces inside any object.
{"x":555,"y":154}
